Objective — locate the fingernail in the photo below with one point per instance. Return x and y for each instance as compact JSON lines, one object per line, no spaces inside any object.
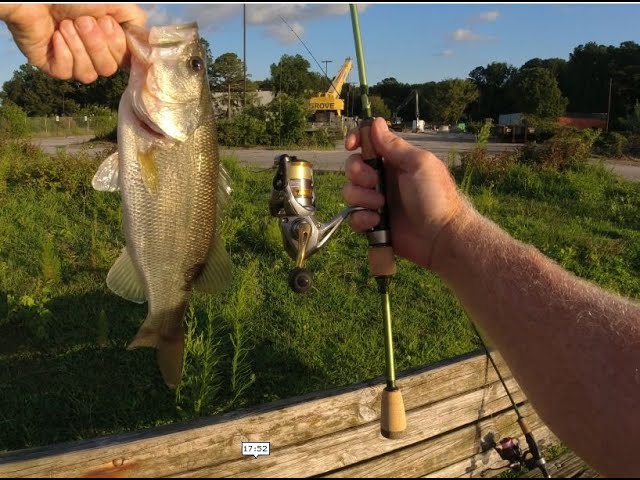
{"x":85,"y":24}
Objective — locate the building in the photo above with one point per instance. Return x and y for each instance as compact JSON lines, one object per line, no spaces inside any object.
{"x":221,"y":101}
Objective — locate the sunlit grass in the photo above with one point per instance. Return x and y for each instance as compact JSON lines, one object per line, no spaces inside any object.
{"x":65,"y":373}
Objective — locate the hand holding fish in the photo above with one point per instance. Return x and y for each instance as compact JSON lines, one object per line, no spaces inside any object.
{"x":79,"y":42}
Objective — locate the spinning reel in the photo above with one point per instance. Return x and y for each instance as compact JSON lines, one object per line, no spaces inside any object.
{"x":293,"y":201}
{"x":511,"y":451}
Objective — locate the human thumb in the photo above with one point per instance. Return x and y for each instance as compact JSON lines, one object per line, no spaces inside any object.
{"x":394,"y":149}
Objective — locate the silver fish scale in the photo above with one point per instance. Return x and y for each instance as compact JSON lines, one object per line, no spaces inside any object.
{"x":169,"y":232}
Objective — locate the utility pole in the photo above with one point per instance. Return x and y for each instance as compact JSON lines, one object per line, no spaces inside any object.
{"x":325,"y":70}
{"x":244,"y":54}
{"x":609,"y":106}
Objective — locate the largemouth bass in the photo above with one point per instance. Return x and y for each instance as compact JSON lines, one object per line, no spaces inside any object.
{"x":172,"y":185}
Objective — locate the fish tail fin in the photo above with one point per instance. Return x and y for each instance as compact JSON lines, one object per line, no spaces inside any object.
{"x":170,"y":346}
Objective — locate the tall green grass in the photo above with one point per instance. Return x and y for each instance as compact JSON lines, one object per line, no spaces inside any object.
{"x":65,"y":373}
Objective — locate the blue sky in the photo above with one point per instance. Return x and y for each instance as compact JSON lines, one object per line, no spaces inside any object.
{"x":414,"y":43}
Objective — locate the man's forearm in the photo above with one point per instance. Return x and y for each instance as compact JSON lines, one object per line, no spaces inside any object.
{"x":566,"y":341}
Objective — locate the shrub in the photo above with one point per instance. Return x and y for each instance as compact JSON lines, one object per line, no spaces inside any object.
{"x":633,"y":145}
{"x":13,"y":121}
{"x":570,"y":148}
{"x":611,"y":144}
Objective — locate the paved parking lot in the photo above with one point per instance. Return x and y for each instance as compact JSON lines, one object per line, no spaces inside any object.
{"x":441,"y":144}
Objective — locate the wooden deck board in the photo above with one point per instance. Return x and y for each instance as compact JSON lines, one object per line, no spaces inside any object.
{"x":453,"y":408}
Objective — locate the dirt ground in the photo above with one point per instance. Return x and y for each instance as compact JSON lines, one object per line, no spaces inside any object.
{"x":443,"y":145}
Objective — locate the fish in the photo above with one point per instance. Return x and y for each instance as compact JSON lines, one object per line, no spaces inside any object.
{"x":173,"y":188}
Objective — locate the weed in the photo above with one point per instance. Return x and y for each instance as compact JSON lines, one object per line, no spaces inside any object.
{"x":199,"y":392}
{"x":65,"y":339}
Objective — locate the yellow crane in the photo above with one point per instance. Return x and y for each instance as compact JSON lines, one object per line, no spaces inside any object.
{"x":327,"y":105}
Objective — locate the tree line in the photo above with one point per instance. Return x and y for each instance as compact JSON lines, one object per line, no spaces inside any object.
{"x":544,"y":88}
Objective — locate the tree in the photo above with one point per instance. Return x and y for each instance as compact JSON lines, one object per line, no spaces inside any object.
{"x":557,"y":66}
{"x":104,"y":92}
{"x":451,"y":99}
{"x":378,"y":107}
{"x":286,"y":119}
{"x":537,"y":93}
{"x":493,"y":83}
{"x":227,"y":76}
{"x":391,"y":91}
{"x":631,"y":122}
{"x":291,"y":75}
{"x":587,"y":78}
{"x":625,"y":78}
{"x":38,"y":94}
{"x":208,"y":60}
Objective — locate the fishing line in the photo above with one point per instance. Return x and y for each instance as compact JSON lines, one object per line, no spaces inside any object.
{"x":314,"y":58}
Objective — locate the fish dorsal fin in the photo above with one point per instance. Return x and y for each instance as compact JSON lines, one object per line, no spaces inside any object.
{"x":216,"y":274}
{"x":123,"y":279}
{"x":106,"y":178}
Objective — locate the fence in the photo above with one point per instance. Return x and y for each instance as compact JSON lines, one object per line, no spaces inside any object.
{"x":67,"y":125}
{"x":454,"y":409}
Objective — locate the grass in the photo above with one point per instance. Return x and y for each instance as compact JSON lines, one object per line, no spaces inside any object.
{"x":65,"y":373}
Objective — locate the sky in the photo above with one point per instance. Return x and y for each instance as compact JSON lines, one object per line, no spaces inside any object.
{"x":415,"y":43}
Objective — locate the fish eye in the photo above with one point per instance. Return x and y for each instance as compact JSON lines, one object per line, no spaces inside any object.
{"x":196,"y":64}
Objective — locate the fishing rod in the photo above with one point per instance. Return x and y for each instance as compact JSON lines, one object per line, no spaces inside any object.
{"x":293,"y":202}
{"x":382,"y":266}
{"x":509,"y":448}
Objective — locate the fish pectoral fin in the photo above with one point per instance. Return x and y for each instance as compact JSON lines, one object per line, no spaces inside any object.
{"x":216,"y":274}
{"x":106,"y":178}
{"x":149,"y":170}
{"x":123,"y":279}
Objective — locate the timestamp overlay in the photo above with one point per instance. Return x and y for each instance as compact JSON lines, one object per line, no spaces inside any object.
{"x":256,"y":449}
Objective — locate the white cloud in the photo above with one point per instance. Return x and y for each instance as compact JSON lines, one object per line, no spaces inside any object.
{"x":444,"y":53}
{"x":212,"y":17}
{"x":268,"y":16}
{"x":157,"y":16}
{"x":466,"y":35}
{"x":491,"y":16}
{"x":283,"y":34}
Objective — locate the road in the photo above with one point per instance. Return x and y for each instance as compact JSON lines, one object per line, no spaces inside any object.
{"x":442,"y":145}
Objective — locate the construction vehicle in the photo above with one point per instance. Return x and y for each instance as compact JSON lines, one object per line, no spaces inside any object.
{"x":396,"y":121}
{"x":328,"y":106}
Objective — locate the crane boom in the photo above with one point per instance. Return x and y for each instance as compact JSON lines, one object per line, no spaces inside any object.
{"x":330,"y":100}
{"x":340,"y":78}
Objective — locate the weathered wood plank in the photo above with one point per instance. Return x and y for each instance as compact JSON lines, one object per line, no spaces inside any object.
{"x":354,"y":445}
{"x":205,"y":443}
{"x":439,"y":452}
{"x":568,"y":465}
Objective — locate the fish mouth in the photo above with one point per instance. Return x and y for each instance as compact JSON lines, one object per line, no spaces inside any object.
{"x":152,"y":130}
